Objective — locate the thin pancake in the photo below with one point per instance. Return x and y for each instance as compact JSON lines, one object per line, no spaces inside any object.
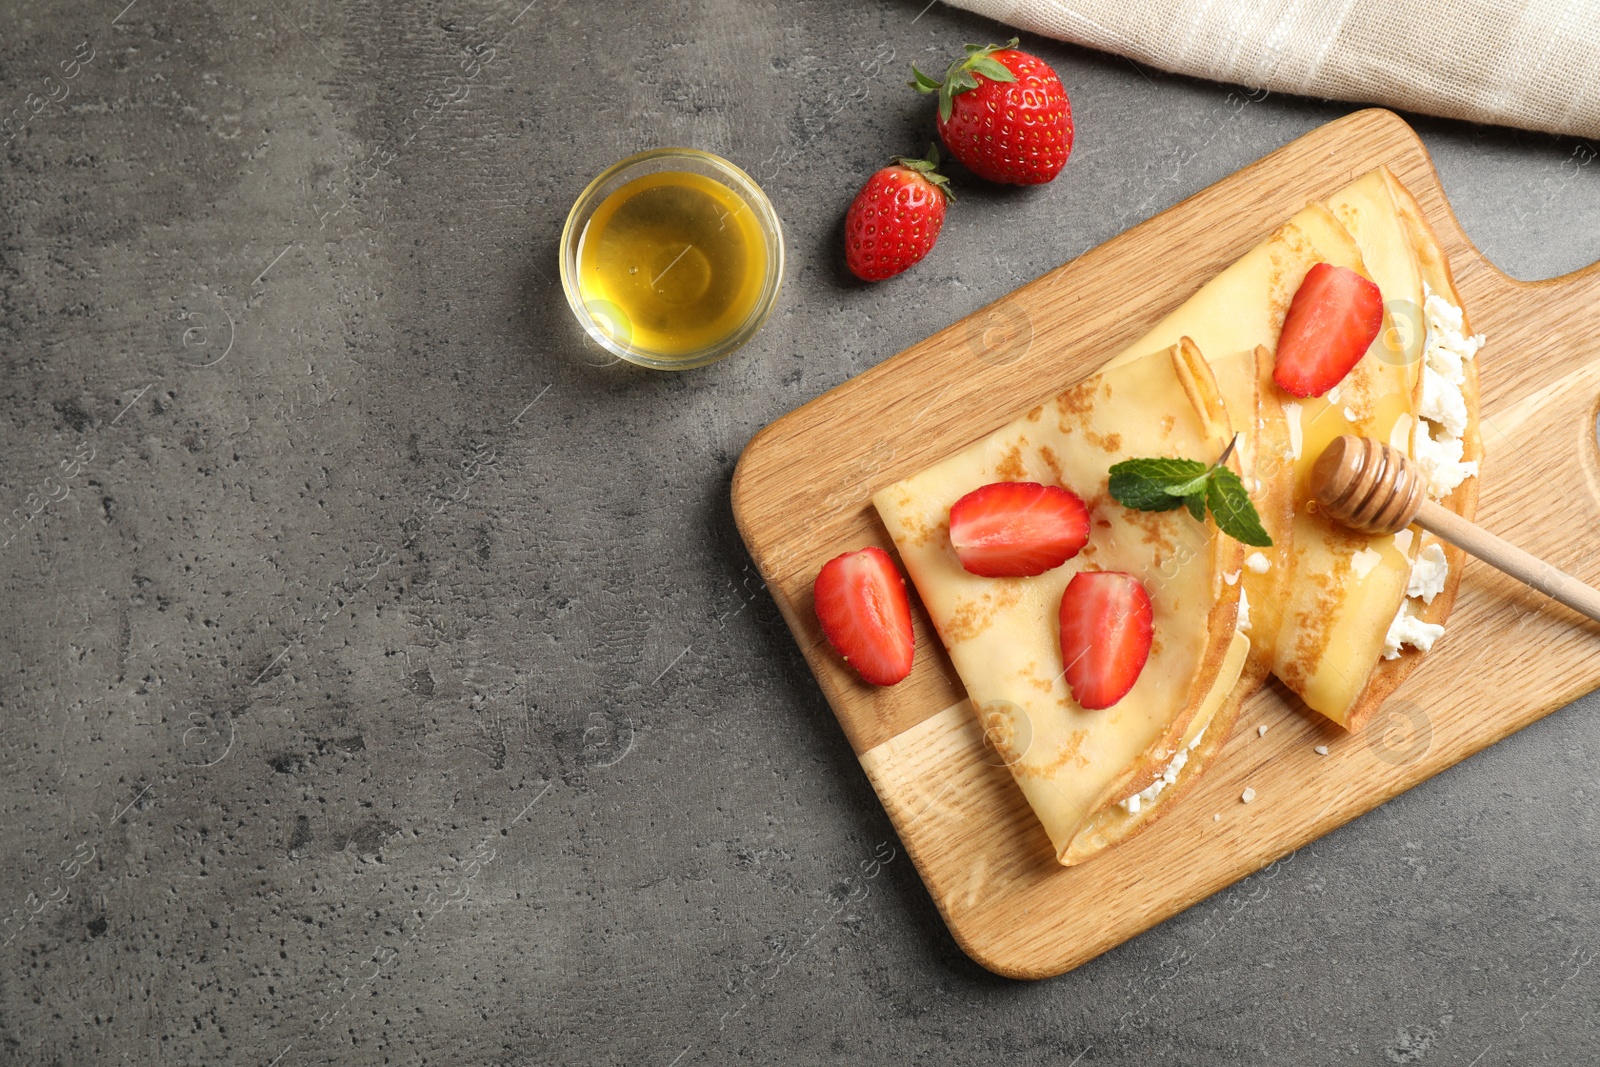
{"x":1435,"y":267}
{"x":1002,"y":634}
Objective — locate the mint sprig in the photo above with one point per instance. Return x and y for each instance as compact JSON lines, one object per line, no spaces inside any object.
{"x":1159,"y":483}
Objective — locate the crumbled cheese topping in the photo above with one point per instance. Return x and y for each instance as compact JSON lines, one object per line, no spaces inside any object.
{"x":1446,"y":346}
{"x":1350,"y":414}
{"x":1441,"y":464}
{"x":1428,"y":573}
{"x":1257,"y":562}
{"x":1443,"y":403}
{"x":1321,"y":750}
{"x":1243,"y":625}
{"x":1261,"y":731}
{"x":1407,"y":629}
{"x":1363,"y":562}
{"x":1248,"y":795}
{"x":1438,"y":451}
{"x":1444,"y":354}
{"x":1426,"y":581}
{"x":1231,"y":577}
{"x":1333,"y":395}
{"x":1132,"y":805}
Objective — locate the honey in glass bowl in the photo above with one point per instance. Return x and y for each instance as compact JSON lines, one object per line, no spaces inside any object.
{"x":672,"y":258}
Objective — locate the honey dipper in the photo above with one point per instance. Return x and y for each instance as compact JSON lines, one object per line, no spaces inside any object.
{"x":1376,"y":489}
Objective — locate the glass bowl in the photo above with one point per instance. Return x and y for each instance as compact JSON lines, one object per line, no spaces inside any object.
{"x":647,"y":305}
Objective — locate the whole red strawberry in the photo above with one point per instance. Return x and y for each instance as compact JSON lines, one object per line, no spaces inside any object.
{"x":895,"y":218}
{"x":1004,"y":114}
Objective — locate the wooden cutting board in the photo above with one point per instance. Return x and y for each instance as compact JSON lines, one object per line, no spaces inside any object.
{"x":802,"y":494}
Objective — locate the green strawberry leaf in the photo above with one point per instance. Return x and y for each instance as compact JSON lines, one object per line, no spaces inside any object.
{"x":922,"y":83}
{"x":960,"y":77}
{"x":928,"y":168}
{"x":993,"y":69}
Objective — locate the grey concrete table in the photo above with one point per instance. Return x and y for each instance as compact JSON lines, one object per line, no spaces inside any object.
{"x":383,"y":680}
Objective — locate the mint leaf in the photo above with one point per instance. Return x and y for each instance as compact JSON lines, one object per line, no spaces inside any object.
{"x":1153,"y":484}
{"x":1194,"y":486}
{"x":1159,"y":483}
{"x":1231,"y":507}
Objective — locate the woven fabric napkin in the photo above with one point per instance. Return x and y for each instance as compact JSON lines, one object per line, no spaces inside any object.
{"x":1528,"y":63}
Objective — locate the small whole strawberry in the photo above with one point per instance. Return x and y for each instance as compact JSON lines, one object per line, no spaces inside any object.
{"x":1003,"y":114}
{"x":895,"y":218}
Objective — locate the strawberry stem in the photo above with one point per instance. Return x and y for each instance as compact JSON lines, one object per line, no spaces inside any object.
{"x":962,"y":75}
{"x":927,"y":167}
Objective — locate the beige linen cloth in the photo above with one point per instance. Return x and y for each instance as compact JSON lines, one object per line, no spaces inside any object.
{"x":1534,"y":64}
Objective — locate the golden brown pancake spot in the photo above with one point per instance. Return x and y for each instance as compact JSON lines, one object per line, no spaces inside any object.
{"x":918,"y":532}
{"x":1156,"y":527}
{"x":1311,"y":644}
{"x":973,"y":617}
{"x":1167,"y":423}
{"x":1047,"y":769}
{"x":1078,"y":399}
{"x":1106,"y":442}
{"x":1010,"y":468}
{"x":1051,"y":460}
{"x":1036,"y":414}
{"x":1037,"y":680}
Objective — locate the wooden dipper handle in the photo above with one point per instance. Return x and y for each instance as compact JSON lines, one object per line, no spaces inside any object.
{"x":1374,"y":488}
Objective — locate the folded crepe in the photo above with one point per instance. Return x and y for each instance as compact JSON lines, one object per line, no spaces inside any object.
{"x":1340,"y":617}
{"x":1330,"y":607}
{"x":1095,"y":777}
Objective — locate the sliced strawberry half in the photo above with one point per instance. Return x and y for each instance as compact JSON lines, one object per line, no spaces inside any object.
{"x":1017,"y":529}
{"x":1334,"y":317}
{"x":861,"y":601}
{"x":1106,"y":628}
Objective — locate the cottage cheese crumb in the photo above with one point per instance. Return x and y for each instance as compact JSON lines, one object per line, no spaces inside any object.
{"x":1321,"y":750}
{"x":1407,"y":629}
{"x":1445,"y":352}
{"x":1261,"y":731}
{"x":1443,"y":403}
{"x":1243,"y":625}
{"x":1428,"y":572}
{"x":1257,"y":562}
{"x":1363,"y":562}
{"x":1248,"y":795}
{"x":1132,"y":805}
{"x":1441,"y":464}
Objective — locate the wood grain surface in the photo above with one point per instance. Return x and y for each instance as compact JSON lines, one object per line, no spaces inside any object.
{"x":802,"y":494}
